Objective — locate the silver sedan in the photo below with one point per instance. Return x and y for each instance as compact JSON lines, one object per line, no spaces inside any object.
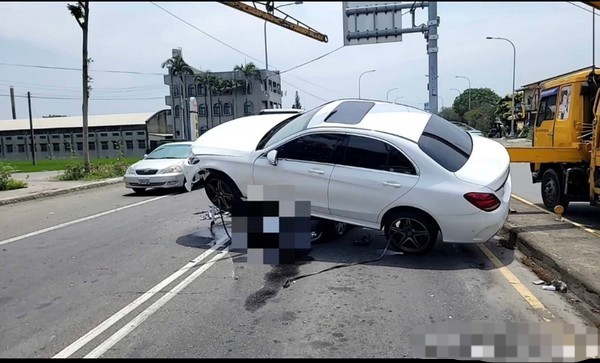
{"x":162,"y":168}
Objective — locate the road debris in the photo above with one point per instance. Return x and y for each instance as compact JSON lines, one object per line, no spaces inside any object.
{"x":539,"y":282}
{"x":559,"y":285}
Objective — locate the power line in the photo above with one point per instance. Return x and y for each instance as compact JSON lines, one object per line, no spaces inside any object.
{"x":79,"y":69}
{"x":203,"y":32}
{"x":94,"y":99}
{"x":312,"y":60}
{"x":308,"y":93}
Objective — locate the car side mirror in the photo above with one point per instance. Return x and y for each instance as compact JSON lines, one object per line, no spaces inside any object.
{"x":272,"y":157}
{"x":145,"y":156}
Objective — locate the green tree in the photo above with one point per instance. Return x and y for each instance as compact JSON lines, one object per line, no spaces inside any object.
{"x":297,"y":104}
{"x":207,"y":80}
{"x":479,"y":96}
{"x":503,"y":110}
{"x":81,"y":12}
{"x":482,"y":117}
{"x":249,"y":71}
{"x":449,"y":114}
{"x":179,"y":68}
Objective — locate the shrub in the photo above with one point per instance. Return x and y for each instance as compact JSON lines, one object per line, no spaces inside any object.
{"x":6,"y":182}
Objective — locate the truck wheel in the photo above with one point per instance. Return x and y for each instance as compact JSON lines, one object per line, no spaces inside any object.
{"x":552,"y":190}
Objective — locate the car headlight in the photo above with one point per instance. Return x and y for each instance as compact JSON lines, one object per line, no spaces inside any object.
{"x":130,"y":170}
{"x":171,"y":169}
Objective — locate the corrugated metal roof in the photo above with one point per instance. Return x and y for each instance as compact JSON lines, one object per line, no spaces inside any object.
{"x":77,"y":121}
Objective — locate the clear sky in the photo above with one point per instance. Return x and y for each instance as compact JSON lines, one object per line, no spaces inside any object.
{"x":550,"y":38}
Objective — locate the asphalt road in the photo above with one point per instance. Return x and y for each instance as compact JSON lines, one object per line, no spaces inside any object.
{"x":580,"y":212}
{"x":79,"y":276}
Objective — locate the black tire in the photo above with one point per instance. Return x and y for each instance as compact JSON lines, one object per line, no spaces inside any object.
{"x":552,"y":190}
{"x":221,"y":191}
{"x":139,"y":190}
{"x":410,"y":232}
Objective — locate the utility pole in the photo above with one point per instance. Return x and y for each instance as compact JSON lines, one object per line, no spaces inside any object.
{"x":432,"y":51}
{"x":12,"y":102}
{"x":31,"y":128}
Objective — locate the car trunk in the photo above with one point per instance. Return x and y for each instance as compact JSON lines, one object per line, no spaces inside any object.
{"x":488,"y":165}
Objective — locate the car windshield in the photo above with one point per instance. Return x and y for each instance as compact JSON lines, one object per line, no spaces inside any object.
{"x":170,"y":152}
{"x":287,"y":128}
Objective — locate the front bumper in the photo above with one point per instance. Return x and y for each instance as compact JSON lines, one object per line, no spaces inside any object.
{"x":154,"y":181}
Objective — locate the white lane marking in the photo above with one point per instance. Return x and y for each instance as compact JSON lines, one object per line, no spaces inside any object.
{"x":122,"y":333}
{"x":62,"y":225}
{"x":79,"y":343}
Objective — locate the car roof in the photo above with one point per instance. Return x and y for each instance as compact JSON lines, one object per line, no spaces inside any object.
{"x":401,"y":120}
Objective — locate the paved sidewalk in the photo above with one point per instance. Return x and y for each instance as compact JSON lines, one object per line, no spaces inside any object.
{"x":566,"y":252}
{"x":42,"y":184}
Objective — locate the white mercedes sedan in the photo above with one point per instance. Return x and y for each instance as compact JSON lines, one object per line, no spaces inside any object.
{"x":368,"y":163}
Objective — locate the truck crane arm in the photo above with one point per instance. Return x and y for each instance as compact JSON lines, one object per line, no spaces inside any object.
{"x":291,"y":24}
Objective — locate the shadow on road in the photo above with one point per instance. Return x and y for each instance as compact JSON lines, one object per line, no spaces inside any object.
{"x":155,"y":192}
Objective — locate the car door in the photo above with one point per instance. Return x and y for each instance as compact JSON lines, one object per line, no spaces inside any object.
{"x":305,"y":163}
{"x":372,"y":174}
{"x":544,"y":125}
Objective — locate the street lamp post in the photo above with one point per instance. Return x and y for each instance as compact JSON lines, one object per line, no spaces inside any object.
{"x":454,"y":89}
{"x":388,"y":93}
{"x":469,"y":88}
{"x":266,"y":53}
{"x":362,"y":74}
{"x":512,"y":121}
{"x":397,"y":98}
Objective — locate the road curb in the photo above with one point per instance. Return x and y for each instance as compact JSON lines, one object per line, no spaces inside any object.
{"x":579,"y":285}
{"x":52,"y":193}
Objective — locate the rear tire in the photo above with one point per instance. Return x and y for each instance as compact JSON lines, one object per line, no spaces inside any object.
{"x":552,"y":190}
{"x":410,"y":232}
{"x":139,"y":190}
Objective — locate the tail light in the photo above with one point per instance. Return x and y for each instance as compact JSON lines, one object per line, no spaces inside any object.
{"x":484,"y":201}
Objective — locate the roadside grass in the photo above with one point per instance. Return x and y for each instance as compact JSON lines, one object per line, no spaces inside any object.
{"x":59,"y":164}
{"x":112,"y":168}
{"x":6,"y":182}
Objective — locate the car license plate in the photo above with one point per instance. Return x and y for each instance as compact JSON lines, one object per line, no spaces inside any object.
{"x":144,"y":181}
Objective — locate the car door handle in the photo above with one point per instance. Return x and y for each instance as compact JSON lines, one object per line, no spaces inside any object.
{"x":316,"y":171}
{"x":392,"y":184}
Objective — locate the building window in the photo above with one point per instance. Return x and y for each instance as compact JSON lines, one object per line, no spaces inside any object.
{"x":43,"y":137}
{"x":129,"y":133}
{"x":175,"y":91}
{"x":44,"y":148}
{"x":104,"y":145}
{"x":9,"y":148}
{"x":176,"y":110}
{"x":191,"y":90}
{"x":92,"y":145}
{"x":80,"y":146}
{"x":201,"y":90}
{"x":21,"y":148}
{"x":202,"y":110}
{"x":90,"y":135}
{"x":104,"y":134}
{"x":270,"y":85}
{"x":116,"y":134}
{"x":56,"y":147}
{"x":227,"y":109}
{"x":249,"y":89}
{"x":248,"y":109}
{"x":142,"y":144}
{"x":67,"y":136}
{"x":19,"y":137}
{"x":141,"y":133}
{"x":129,"y":144}
{"x":217,"y":109}
{"x":215,"y":92}
{"x":264,"y":105}
{"x":79,"y":135}
{"x":8,"y":138}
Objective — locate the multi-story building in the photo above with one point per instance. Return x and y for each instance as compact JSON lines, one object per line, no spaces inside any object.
{"x":216,"y":108}
{"x":109,"y":136}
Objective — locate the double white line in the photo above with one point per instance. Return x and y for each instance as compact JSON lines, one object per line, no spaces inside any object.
{"x":128,"y":328}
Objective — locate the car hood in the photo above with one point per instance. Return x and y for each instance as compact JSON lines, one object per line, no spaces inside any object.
{"x":236,"y":137}
{"x":156,"y":163}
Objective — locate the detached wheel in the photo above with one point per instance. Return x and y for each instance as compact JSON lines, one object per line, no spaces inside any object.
{"x":411,"y":233}
{"x":221,"y":191}
{"x":552,"y":190}
{"x":139,"y":190}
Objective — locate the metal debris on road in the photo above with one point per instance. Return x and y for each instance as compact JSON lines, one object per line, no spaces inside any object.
{"x":559,"y":285}
{"x":539,"y":282}
{"x":549,"y":287}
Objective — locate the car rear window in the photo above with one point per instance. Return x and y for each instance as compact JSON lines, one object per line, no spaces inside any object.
{"x":447,"y":144}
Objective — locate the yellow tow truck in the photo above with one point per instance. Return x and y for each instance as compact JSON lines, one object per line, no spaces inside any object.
{"x":565,"y":151}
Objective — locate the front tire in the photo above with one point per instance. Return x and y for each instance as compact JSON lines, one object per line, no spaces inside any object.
{"x":410,"y":232}
{"x":552,"y":190}
{"x":222,"y":191}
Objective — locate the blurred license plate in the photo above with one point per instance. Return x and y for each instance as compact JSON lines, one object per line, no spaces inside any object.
{"x":144,"y":181}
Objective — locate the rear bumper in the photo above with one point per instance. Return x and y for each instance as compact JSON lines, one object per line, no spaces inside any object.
{"x":154,"y":181}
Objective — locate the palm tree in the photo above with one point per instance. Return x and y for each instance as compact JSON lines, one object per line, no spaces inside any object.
{"x":249,"y":71}
{"x":220,"y":85}
{"x":228,"y":87}
{"x":179,"y":68}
